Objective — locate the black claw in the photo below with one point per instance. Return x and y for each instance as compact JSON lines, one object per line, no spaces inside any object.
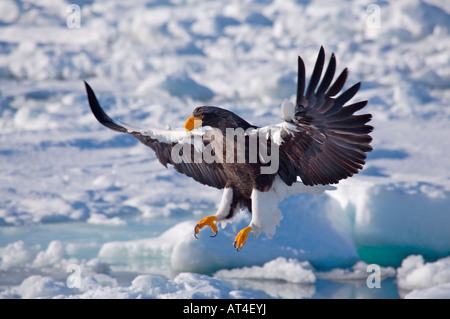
{"x":197,"y":227}
{"x":195,"y":231}
{"x":234,"y":245}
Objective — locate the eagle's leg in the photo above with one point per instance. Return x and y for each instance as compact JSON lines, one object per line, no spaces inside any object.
{"x":210,"y":221}
{"x":265,"y":213}
{"x":221,"y":214}
{"x":241,"y":237}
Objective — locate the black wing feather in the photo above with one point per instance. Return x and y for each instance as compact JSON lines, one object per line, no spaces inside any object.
{"x":300,"y":81}
{"x":99,"y":114}
{"x":315,"y":77}
{"x":331,"y":142}
{"x":210,"y":174}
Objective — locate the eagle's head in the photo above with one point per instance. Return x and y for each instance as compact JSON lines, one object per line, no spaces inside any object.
{"x":215,"y":117}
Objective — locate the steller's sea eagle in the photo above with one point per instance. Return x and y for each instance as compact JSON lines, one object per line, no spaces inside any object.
{"x":320,"y":141}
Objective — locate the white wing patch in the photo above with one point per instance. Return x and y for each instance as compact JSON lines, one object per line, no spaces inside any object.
{"x":274,"y":132}
{"x":173,"y":136}
{"x":287,"y":110}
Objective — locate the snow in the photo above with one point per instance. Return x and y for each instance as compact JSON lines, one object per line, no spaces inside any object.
{"x":441,"y":291}
{"x":290,"y":270}
{"x":414,"y":273}
{"x":39,"y":287}
{"x":74,"y":194}
{"x":358,"y":271}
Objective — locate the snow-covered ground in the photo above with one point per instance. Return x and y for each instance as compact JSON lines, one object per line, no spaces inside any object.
{"x":89,"y":213}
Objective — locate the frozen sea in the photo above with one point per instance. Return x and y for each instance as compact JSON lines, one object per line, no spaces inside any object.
{"x":89,"y":213}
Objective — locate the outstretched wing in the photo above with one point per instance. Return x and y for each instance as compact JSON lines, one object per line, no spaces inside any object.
{"x":171,"y":147}
{"x":323,"y":142}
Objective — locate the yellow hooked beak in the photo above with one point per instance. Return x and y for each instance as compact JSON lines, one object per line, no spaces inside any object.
{"x":192,"y":122}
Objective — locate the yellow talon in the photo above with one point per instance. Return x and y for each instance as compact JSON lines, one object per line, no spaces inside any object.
{"x":210,"y":221}
{"x":241,"y":238}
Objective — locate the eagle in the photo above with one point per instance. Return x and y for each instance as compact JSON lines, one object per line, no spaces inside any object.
{"x":318,"y":142}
